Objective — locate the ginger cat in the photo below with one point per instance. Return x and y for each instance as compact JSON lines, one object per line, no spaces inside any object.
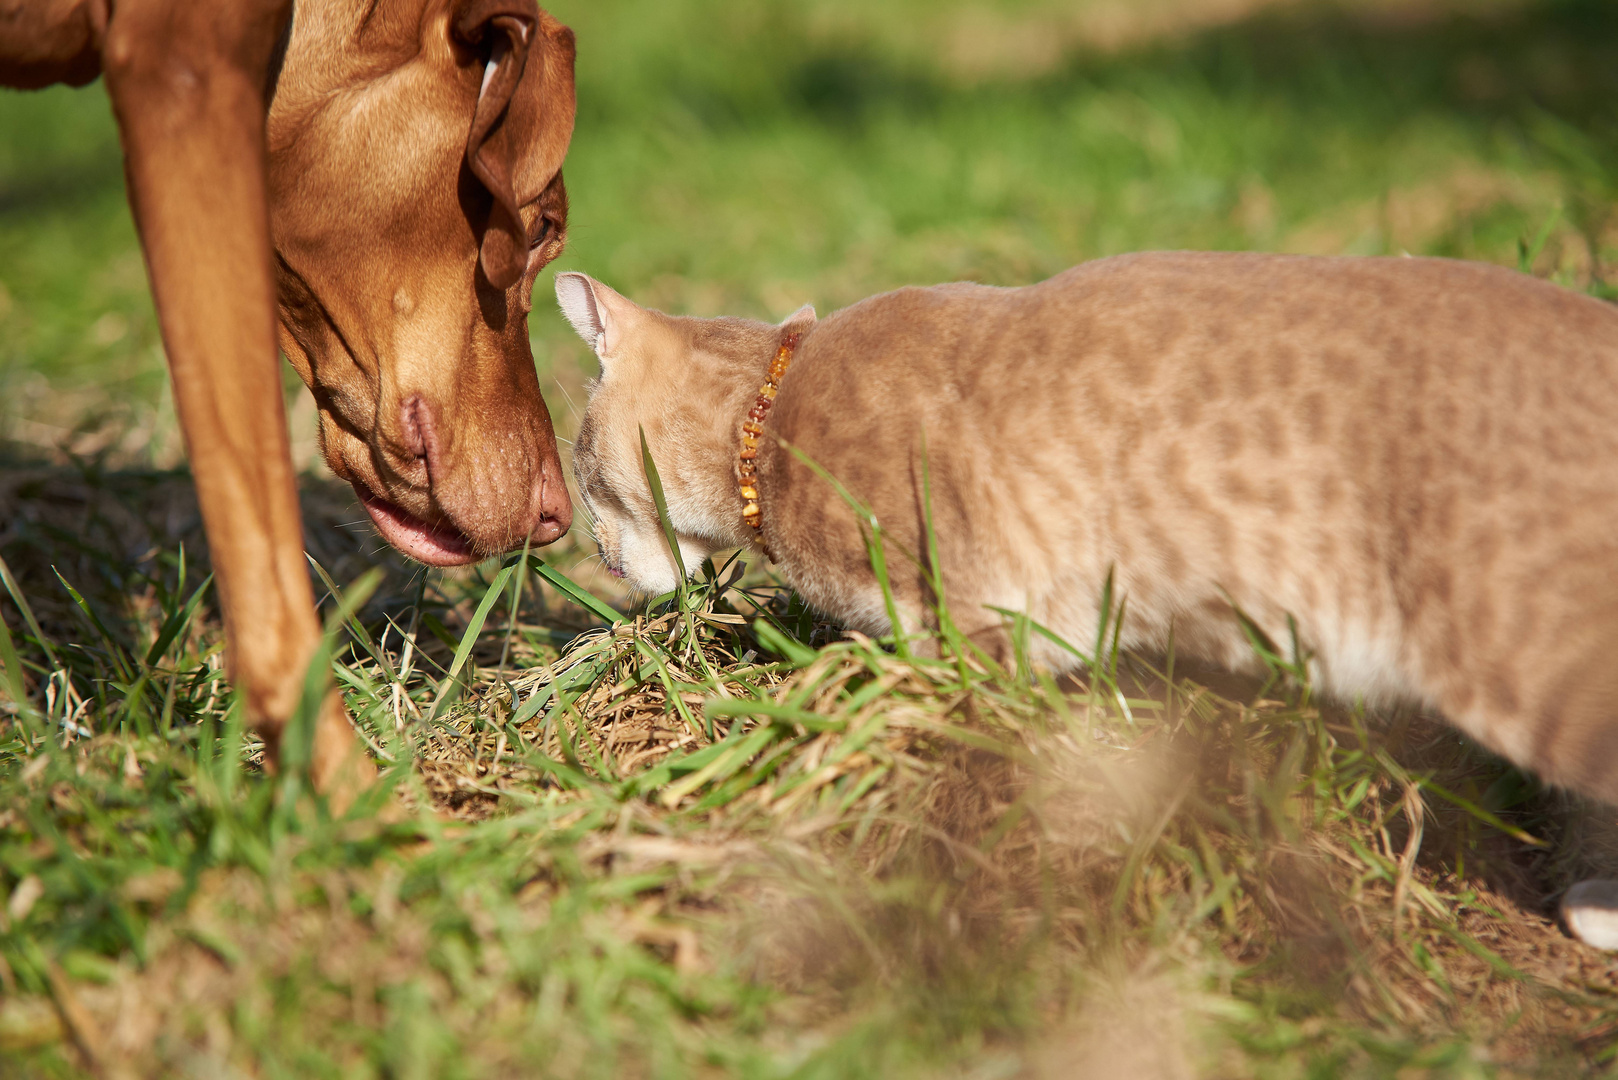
{"x":1416,"y":459}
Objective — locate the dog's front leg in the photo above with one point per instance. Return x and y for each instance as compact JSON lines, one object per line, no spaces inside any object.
{"x":187,"y":80}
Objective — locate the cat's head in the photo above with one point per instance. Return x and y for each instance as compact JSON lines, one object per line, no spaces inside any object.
{"x":686,"y":383}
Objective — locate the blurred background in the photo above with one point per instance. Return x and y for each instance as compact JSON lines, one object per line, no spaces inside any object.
{"x":746,"y":156}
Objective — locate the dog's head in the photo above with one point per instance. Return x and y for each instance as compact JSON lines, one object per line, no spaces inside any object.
{"x":415,"y":155}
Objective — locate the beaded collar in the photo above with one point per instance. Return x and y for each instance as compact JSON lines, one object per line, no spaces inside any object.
{"x":753,"y":427}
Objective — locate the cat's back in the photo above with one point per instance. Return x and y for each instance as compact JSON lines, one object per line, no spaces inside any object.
{"x":1415,"y":458}
{"x":1335,"y":351}
{"x":1139,"y":310}
{"x":1232,"y":417}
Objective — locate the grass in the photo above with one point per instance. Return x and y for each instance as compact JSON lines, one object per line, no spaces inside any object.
{"x":712,"y":835}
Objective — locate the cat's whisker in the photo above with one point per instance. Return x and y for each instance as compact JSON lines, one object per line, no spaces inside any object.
{"x":571,"y":404}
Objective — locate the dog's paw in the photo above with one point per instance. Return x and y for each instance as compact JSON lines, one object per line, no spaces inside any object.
{"x":1590,"y":911}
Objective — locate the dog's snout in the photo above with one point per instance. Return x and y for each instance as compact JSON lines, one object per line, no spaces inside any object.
{"x":500,"y":488}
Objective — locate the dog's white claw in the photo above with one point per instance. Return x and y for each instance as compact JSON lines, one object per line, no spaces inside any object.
{"x":1590,"y":910}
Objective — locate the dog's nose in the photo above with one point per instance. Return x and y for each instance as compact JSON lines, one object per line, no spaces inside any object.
{"x":553,"y":509}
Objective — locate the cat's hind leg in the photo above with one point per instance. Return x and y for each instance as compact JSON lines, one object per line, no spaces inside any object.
{"x":1573,"y":719}
{"x":1565,"y":728}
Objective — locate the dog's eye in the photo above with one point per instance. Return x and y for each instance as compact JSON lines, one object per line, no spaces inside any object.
{"x":543,"y":231}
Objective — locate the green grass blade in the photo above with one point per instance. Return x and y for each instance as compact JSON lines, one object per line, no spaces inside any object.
{"x":27,"y":613}
{"x":732,"y":759}
{"x":297,"y":744}
{"x":575,"y":592}
{"x":935,"y":576}
{"x":571,"y":679}
{"x":1106,"y":619}
{"x":517,"y":588}
{"x":176,"y":624}
{"x":355,"y":627}
{"x":875,"y":545}
{"x":1045,"y":632}
{"x":1528,"y":254}
{"x":656,"y":483}
{"x":671,"y":690}
{"x":1481,"y":814}
{"x":783,"y":644}
{"x":470,"y":637}
{"x":776,"y":713}
{"x":14,"y":675}
{"x":115,"y":651}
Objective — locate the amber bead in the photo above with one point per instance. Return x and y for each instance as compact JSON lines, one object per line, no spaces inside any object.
{"x":753,"y":430}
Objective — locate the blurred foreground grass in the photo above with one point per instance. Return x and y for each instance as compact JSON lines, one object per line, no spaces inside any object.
{"x":715,"y":838}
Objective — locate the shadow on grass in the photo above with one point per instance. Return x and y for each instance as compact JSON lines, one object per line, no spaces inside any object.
{"x":117,"y":535}
{"x":1550,"y":61}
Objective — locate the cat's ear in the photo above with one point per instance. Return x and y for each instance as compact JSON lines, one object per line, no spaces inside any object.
{"x":800,"y":320}
{"x":597,"y":313}
{"x":577,"y":299}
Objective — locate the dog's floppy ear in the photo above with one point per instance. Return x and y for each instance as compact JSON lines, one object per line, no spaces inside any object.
{"x":503,"y":31}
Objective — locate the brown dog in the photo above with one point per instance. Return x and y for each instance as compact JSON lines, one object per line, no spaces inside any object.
{"x":389,"y":171}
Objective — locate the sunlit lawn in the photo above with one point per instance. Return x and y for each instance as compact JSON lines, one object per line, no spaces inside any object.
{"x":719,"y":840}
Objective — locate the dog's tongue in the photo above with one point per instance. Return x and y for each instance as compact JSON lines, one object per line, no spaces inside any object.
{"x":435,"y":545}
